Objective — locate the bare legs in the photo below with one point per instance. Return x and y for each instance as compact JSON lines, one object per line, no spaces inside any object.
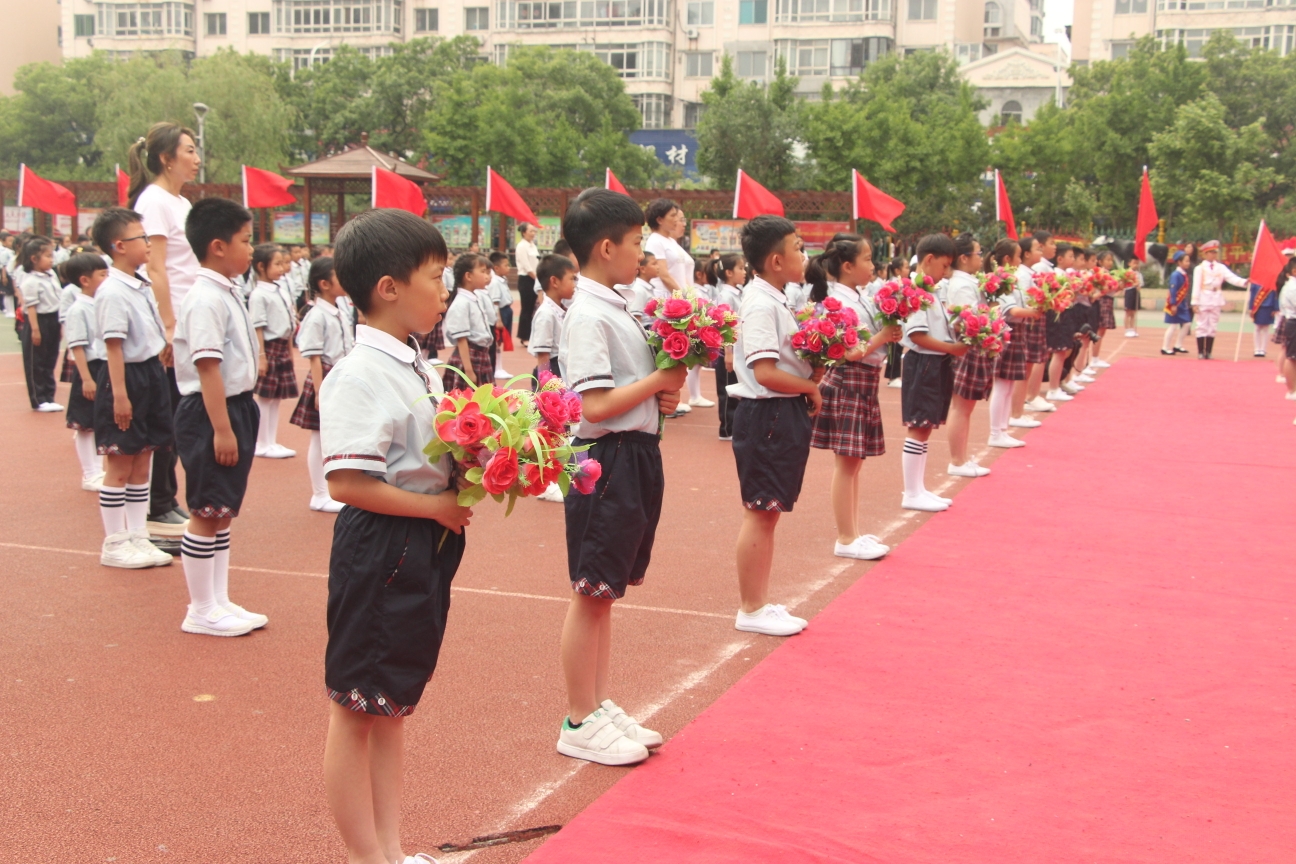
{"x":586,"y":653}
{"x":755,"y":557}
{"x":845,"y":498}
{"x":363,"y":767}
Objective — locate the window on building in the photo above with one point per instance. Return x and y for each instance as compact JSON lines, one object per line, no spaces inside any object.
{"x":922,"y":10}
{"x":332,"y":16}
{"x":993,"y":20}
{"x":753,"y":11}
{"x":144,"y":19}
{"x":798,"y":11}
{"x":543,"y":14}
{"x":215,"y":23}
{"x":1120,"y":50}
{"x":477,"y":18}
{"x":752,"y":64}
{"x":1037,"y":27}
{"x":1011,"y":112}
{"x":968,"y":52}
{"x":1131,"y":7}
{"x":848,"y":57}
{"x":258,"y":23}
{"x":634,"y":60}
{"x":692,"y":114}
{"x":655,"y":109}
{"x":697,"y":64}
{"x":700,"y":13}
{"x":84,"y":25}
{"x":426,"y":21}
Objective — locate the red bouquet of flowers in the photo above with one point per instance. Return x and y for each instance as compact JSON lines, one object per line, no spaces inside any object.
{"x":1127,"y":277}
{"x":689,"y":330}
{"x":898,"y":299}
{"x":826,"y":332}
{"x":1099,"y":283}
{"x":998,"y":283}
{"x":981,"y":327}
{"x":1050,"y":292}
{"x":513,"y":443}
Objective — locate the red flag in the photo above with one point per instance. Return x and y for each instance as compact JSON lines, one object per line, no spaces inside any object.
{"x":870,"y":202}
{"x":1003,"y":207}
{"x":751,"y":199}
{"x":36,"y":191}
{"x":265,"y":188}
{"x":503,"y":198}
{"x":392,"y":190}
{"x":1147,"y":218}
{"x":613,"y":184}
{"x":1267,"y":261}
{"x":123,"y":186}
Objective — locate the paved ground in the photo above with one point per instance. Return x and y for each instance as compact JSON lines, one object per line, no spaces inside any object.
{"x":127,"y":740}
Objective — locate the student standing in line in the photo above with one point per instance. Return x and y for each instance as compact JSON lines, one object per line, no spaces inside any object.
{"x":1010,"y":366}
{"x":272,"y":311}
{"x":674,"y":273}
{"x":87,"y":271}
{"x":728,"y":273}
{"x":1178,"y":310}
{"x":42,"y":335}
{"x":973,"y":371}
{"x":467,"y":328}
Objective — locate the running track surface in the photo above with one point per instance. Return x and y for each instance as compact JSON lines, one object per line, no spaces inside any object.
{"x":1085,"y":659}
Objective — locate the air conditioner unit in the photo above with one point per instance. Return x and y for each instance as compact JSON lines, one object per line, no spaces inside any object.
{"x":691,"y":32}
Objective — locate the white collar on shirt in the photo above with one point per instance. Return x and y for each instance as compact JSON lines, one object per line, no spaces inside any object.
{"x":384,"y":342}
{"x":126,"y":278}
{"x":769,"y":289}
{"x":330,"y":308}
{"x":83,"y":297}
{"x":961,"y":276}
{"x":843,"y":292}
{"x":219,"y":278}
{"x":589,"y":286}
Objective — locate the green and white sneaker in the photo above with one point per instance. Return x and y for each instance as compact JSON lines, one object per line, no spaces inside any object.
{"x":630,"y":727}
{"x":597,"y":739}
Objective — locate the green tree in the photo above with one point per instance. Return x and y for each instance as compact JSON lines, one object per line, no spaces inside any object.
{"x":751,"y":126}
{"x":51,"y":123}
{"x":1036,"y":162}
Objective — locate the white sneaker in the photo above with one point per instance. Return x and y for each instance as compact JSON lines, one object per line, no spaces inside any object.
{"x":552,"y":494}
{"x":92,"y":483}
{"x":419,"y":858}
{"x":218,"y":622}
{"x":770,"y":620}
{"x":925,"y":502}
{"x":49,"y":407}
{"x":683,"y":408}
{"x":119,"y":550}
{"x":1292,"y":396}
{"x":156,"y":555}
{"x":1100,"y":363}
{"x":1281,"y":379}
{"x":325,"y":504}
{"x":1071,"y":388}
{"x":895,"y":382}
{"x":864,"y":548}
{"x":630,"y":727}
{"x":701,"y":402}
{"x":502,"y":374}
{"x":598,"y":739}
{"x":1003,"y":439}
{"x":967,"y":469}
{"x":1131,"y":334}
{"x":1024,"y":422}
{"x":276,"y":451}
{"x":1084,"y":378}
{"x":1040,"y":405}
{"x":258,"y":620}
{"x":1059,"y":396}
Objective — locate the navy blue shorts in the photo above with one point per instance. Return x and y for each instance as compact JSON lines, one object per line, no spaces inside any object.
{"x":771,"y":444}
{"x":152,"y":420}
{"x":926,"y":388}
{"x":212,"y":490}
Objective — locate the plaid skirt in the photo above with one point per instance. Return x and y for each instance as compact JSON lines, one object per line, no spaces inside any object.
{"x":1011,"y":364}
{"x":1029,"y":334}
{"x":1107,"y":313}
{"x":69,"y":365}
{"x":1280,"y":324}
{"x":306,"y":414}
{"x":280,"y":379}
{"x":973,"y":375}
{"x":850,"y":421}
{"x":431,"y":342}
{"x":483,"y":368}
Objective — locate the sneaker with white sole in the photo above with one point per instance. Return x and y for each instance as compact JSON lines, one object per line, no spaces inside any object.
{"x":1100,"y":363}
{"x":258,"y":620}
{"x":325,"y":504}
{"x":275,"y":451}
{"x":1059,"y":396}
{"x":156,"y":555}
{"x":1281,"y":379}
{"x":119,"y":550}
{"x":1131,"y":334}
{"x":172,"y":523}
{"x":218,"y":622}
{"x":895,"y":382}
{"x":701,"y":402}
{"x":1084,"y":378}
{"x":925,"y":502}
{"x":770,"y":620}
{"x":1040,"y":405}
{"x":1005,"y":440}
{"x":419,"y":858}
{"x":597,"y":739}
{"x":1072,"y":388}
{"x":502,"y":374}
{"x":552,"y":494}
{"x":1024,"y":422}
{"x":863,"y":548}
{"x":967,"y":469}
{"x":630,"y":727}
{"x":92,"y":483}
{"x":683,"y":408}
{"x":49,"y":407}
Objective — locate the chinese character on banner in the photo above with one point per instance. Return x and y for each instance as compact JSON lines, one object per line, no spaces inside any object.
{"x":677,"y":155}
{"x":674,"y":148}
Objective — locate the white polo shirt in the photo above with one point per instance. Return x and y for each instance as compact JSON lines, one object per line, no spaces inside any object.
{"x":795,"y":295}
{"x":731,"y":296}
{"x":41,"y":289}
{"x":1043,"y":266}
{"x":375,"y":416}
{"x":547,"y":328}
{"x":213,"y":323}
{"x":82,"y":328}
{"x":271,"y":306}
{"x":465,"y":319}
{"x":499,"y":291}
{"x":490,"y":311}
{"x":636,"y":294}
{"x":863,"y":307}
{"x":127,"y":311}
{"x":323,"y":334}
{"x":766,"y":332}
{"x":164,"y":215}
{"x":67,"y":297}
{"x":963,"y":290}
{"x":934,"y":321}
{"x":611,"y":351}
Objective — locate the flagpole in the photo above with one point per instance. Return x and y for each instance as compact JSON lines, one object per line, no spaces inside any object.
{"x":737,"y":192}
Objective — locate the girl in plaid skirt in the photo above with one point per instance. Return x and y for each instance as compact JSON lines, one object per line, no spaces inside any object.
{"x":973,"y":372}
{"x":1106,"y":312}
{"x":850,"y":421}
{"x":272,"y":314}
{"x":467,"y":331}
{"x":324,"y":339}
{"x":1011,"y":365}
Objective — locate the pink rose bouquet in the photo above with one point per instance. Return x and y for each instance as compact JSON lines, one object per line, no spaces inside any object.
{"x":998,"y":283}
{"x":825,"y":332}
{"x":513,"y":443}
{"x":1050,"y":292}
{"x":1127,"y":277}
{"x":898,"y":299}
{"x":1100,"y":283}
{"x":980,"y":327}
{"x":689,"y":330}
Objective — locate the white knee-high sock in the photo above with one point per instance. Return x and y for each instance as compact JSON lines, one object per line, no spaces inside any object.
{"x":112,"y":509}
{"x":220,"y":567}
{"x":315,"y":466}
{"x":84,"y":443}
{"x":1262,"y":338}
{"x":913,"y":462}
{"x":137,"y":501}
{"x":1000,"y":406}
{"x":263,"y":405}
{"x":694,"y":381}
{"x":198,"y":555}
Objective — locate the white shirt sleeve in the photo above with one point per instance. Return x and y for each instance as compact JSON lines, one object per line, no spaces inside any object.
{"x":205,"y":324}
{"x":587,"y":363}
{"x":113,"y":313}
{"x":355,"y":430}
{"x":310,"y":338}
{"x":760,"y":339}
{"x":458,"y":319}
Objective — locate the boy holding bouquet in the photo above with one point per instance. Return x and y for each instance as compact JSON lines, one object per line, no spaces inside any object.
{"x":609,"y":532}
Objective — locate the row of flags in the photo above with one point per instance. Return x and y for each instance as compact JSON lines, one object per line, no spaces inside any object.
{"x":263,"y":188}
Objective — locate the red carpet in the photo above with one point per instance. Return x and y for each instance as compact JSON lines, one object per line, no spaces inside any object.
{"x":1089,"y":658}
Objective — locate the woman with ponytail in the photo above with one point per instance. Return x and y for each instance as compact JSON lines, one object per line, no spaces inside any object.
{"x":850,"y":421}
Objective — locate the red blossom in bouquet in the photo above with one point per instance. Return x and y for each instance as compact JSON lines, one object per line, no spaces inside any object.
{"x":998,"y":283}
{"x":825,"y":332}
{"x":1127,"y":277}
{"x":898,"y":299}
{"x":1097,"y":283}
{"x":980,"y":327}
{"x":689,"y":330}
{"x":1050,"y":292}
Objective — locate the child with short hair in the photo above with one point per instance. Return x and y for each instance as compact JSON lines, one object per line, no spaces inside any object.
{"x":132,"y":409}
{"x":274,"y":318}
{"x":772,"y":424}
{"x":928,"y":376}
{"x":216,"y":421}
{"x":640,"y":291}
{"x":467,"y":327}
{"x":399,"y":540}
{"x":86,"y":271}
{"x":502,"y":296}
{"x":40,"y":291}
{"x":324,"y":339}
{"x":1062,"y":333}
{"x":727,"y":274}
{"x":556,"y":277}
{"x":610,"y":532}
{"x":1178,"y":311}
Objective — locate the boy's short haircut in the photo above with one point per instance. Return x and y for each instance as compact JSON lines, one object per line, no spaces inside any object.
{"x":1041,"y":237}
{"x":643,"y":262}
{"x":111,"y":224}
{"x":762,"y":236}
{"x":562,"y":247}
{"x":380,"y":243}
{"x":1063,"y":248}
{"x":496,"y":257}
{"x":553,"y":266}
{"x":936,"y":245}
{"x":214,"y":219}
{"x":81,"y":264}
{"x":597,"y":215}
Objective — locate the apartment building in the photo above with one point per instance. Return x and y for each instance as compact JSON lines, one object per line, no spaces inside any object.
{"x":1106,"y":29}
{"x":666,"y":50}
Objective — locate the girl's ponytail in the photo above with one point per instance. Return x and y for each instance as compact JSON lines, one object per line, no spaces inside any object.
{"x":713,"y":274}
{"x":817,"y":279}
{"x":139,"y":177}
{"x":321,"y":270}
{"x":1005,"y":250}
